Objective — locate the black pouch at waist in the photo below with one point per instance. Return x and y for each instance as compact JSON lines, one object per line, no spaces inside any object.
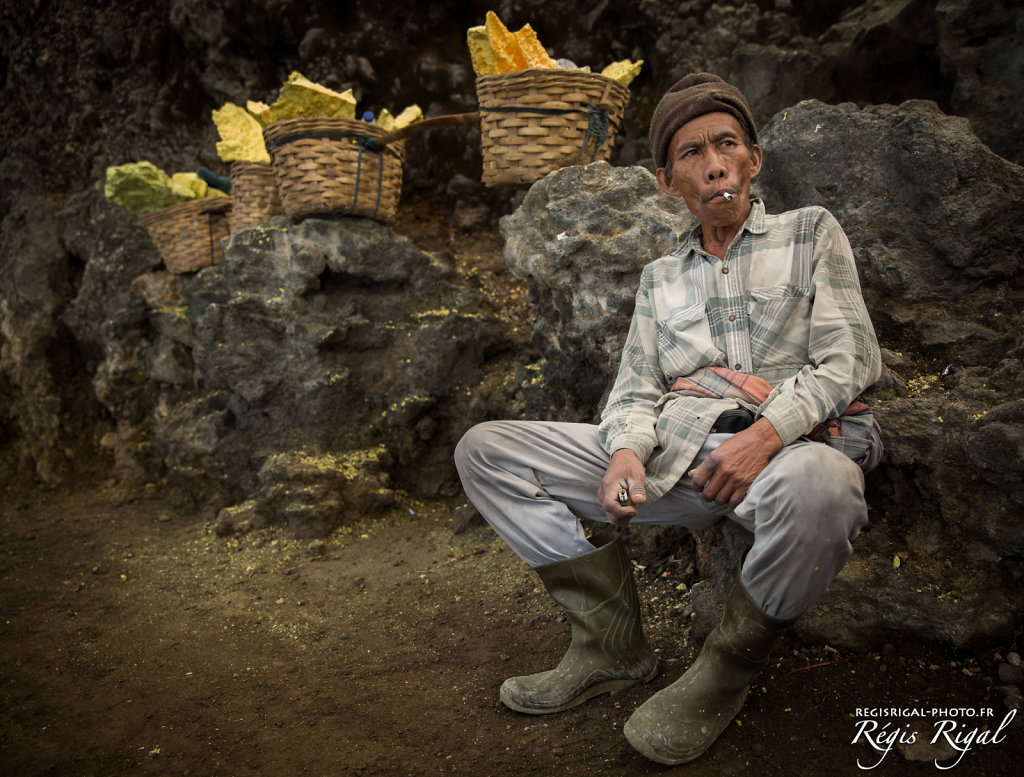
{"x":732,"y":421}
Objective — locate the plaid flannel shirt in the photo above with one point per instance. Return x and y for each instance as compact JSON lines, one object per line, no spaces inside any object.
{"x":785,"y":305}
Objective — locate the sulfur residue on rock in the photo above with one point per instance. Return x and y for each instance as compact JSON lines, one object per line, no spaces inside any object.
{"x":314,"y":492}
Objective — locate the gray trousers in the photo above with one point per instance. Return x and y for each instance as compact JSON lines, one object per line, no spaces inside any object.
{"x":531,"y":479}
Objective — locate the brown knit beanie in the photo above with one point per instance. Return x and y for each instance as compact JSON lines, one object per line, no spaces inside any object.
{"x":693,"y":96}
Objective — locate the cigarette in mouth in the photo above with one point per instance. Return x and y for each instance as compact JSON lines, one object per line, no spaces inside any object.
{"x":728,"y":195}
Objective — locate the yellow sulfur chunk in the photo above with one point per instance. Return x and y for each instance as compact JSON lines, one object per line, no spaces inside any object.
{"x":623,"y":71}
{"x":533,"y":52}
{"x":241,"y":135}
{"x":408,"y":116}
{"x":187,"y":186}
{"x":301,"y":97}
{"x":504,"y":46}
{"x":480,"y":52}
{"x":138,"y":187}
{"x":260,"y":111}
{"x":386,"y":121}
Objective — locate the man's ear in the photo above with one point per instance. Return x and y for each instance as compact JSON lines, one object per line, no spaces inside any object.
{"x":755,"y":159}
{"x":666,"y":183}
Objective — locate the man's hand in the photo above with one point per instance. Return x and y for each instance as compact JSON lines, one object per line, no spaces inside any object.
{"x":624,"y":472}
{"x":727,"y":473}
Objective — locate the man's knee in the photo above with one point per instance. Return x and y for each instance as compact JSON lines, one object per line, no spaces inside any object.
{"x":485,"y":442}
{"x":472,"y":445}
{"x":821,"y":491}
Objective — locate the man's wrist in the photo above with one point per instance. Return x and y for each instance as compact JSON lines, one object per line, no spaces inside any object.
{"x":625,"y":451}
{"x":767,"y":434}
{"x":640,"y":446}
{"x":787,"y":425}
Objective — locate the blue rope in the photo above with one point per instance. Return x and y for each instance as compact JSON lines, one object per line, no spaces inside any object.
{"x":597,"y":128}
{"x":359,"y":170}
{"x":363,"y":141}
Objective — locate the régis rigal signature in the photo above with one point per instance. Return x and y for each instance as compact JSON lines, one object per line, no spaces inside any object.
{"x":948,"y":731}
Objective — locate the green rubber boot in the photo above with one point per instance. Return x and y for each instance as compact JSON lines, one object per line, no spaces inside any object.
{"x":608,"y":651}
{"x":681,"y":721}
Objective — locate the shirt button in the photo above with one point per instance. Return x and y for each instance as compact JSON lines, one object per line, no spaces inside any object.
{"x":738,"y":367}
{"x":725,"y":271}
{"x":732,"y":317}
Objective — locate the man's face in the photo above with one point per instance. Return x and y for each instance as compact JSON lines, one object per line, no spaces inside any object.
{"x":708,"y":159}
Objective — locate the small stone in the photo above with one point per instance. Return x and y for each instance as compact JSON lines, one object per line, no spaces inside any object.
{"x":917,"y":682}
{"x":316,"y":548}
{"x":1010,"y":674}
{"x":1008,"y":690}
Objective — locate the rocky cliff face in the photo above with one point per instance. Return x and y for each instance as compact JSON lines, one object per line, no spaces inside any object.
{"x":329,"y":366}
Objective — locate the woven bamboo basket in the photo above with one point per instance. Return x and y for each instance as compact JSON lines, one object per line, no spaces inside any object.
{"x":254,"y":197}
{"x":536,"y":121}
{"x":188,"y":234}
{"x":331,"y":167}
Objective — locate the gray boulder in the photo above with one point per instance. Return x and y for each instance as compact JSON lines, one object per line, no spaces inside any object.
{"x":580,"y":239}
{"x":322,"y":368}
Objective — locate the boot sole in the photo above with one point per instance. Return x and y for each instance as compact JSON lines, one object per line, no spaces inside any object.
{"x":677,"y":756}
{"x":608,"y":686}
{"x":644,"y":748}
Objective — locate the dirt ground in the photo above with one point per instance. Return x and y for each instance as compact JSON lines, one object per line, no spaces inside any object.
{"x":136,"y":641}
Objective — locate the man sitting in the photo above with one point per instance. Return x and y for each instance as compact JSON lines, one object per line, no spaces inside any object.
{"x":748,"y":344}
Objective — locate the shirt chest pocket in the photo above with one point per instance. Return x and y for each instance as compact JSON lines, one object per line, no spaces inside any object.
{"x":780,"y":321}
{"x":684,"y":341}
